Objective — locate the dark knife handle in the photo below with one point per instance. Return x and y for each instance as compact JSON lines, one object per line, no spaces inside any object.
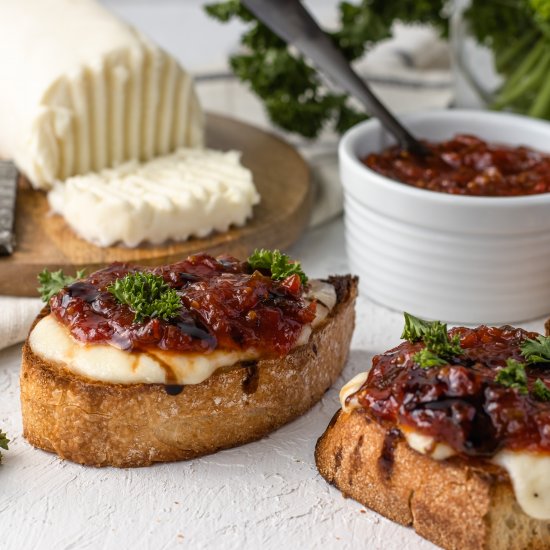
{"x":8,"y":191}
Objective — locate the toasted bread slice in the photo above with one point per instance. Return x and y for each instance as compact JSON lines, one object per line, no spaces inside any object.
{"x":103,"y":424}
{"x":458,"y":504}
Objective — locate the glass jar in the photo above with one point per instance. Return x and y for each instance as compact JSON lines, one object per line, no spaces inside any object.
{"x":501,"y":56}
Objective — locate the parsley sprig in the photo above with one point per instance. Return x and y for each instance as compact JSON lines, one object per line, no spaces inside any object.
{"x":415,"y":328}
{"x":297,"y":100}
{"x":147,"y":295}
{"x":427,"y":359}
{"x":280,"y":265}
{"x":439,"y":350}
{"x":537,"y":350}
{"x":3,"y":443}
{"x":295,"y":96}
{"x":540,"y":390}
{"x":513,"y":375}
{"x":51,"y":282}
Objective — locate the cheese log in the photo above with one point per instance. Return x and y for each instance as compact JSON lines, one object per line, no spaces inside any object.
{"x":83,"y":91}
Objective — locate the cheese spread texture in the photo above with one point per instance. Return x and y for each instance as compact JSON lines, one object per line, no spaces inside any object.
{"x":52,"y":341}
{"x":191,"y":192}
{"x":528,"y":471}
{"x":350,"y":389}
{"x":83,"y":91}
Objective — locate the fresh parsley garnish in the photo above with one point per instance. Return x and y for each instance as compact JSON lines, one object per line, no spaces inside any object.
{"x":280,"y":265}
{"x":537,"y":350}
{"x":513,"y":375}
{"x":147,"y":295}
{"x":3,"y":442}
{"x":540,"y":390}
{"x":296,"y":98}
{"x":51,"y":282}
{"x":440,"y":349}
{"x":415,"y":328}
{"x":427,"y":360}
{"x":438,"y":342}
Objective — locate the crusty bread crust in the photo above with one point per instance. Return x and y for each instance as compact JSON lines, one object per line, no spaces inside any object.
{"x":101,"y":424}
{"x":458,"y":504}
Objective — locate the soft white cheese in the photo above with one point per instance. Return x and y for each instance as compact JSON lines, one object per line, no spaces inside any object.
{"x":530,"y":475}
{"x":191,"y":192}
{"x":323,"y":292}
{"x":82,"y":90}
{"x":426,"y":445}
{"x":349,"y":389}
{"x":52,"y":341}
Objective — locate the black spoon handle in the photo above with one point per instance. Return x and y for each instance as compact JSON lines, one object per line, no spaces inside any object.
{"x":290,"y":20}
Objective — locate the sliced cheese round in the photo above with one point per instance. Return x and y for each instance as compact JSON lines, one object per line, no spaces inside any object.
{"x":191,"y":192}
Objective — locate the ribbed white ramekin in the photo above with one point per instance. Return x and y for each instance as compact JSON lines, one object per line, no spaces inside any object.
{"x":455,"y":258}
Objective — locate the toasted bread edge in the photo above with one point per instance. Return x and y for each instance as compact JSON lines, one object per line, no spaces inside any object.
{"x":103,"y":424}
{"x":456,"y":503}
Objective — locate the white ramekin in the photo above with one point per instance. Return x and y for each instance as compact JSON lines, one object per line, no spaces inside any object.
{"x":455,"y":258}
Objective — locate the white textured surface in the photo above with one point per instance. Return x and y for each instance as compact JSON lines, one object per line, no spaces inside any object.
{"x":262,"y":495}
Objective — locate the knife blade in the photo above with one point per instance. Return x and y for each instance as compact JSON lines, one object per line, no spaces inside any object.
{"x":8,"y":192}
{"x":291,"y":21}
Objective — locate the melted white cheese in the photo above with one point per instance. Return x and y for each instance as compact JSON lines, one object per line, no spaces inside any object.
{"x":191,"y":192}
{"x":426,"y":445}
{"x":351,"y":388}
{"x":87,"y":91}
{"x":52,"y":341}
{"x":530,"y":475}
{"x":322,"y":292}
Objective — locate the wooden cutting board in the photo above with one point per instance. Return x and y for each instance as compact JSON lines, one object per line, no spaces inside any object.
{"x":281,"y":177}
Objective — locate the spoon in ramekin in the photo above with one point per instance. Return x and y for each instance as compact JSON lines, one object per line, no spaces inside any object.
{"x":290,"y":20}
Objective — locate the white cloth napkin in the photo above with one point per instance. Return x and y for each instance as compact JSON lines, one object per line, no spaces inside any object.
{"x":410,"y":72}
{"x":16,"y":316}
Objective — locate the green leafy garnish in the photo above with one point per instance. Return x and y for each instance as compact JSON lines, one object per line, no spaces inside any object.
{"x":295,"y":96}
{"x":438,"y":342}
{"x":280,"y":265}
{"x":427,"y":360}
{"x":51,"y":282}
{"x":513,"y":375}
{"x":439,"y":347}
{"x":541,"y":391}
{"x":3,"y":442}
{"x":415,"y":328}
{"x":536,"y":351}
{"x":147,"y":295}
